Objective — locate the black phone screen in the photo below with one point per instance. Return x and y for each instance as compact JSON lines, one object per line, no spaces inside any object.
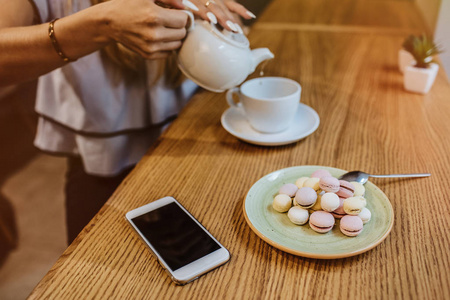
{"x":177,"y":238}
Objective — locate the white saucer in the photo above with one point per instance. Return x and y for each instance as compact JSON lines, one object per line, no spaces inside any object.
{"x":305,"y":122}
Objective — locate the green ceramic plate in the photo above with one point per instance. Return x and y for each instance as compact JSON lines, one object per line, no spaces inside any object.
{"x":276,"y":229}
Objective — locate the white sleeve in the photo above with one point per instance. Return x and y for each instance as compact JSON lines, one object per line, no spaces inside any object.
{"x":42,"y":7}
{"x":51,"y":9}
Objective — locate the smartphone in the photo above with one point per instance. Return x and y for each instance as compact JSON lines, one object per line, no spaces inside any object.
{"x":183,"y":247}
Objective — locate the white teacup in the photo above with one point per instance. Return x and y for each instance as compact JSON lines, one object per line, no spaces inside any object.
{"x":269,"y":103}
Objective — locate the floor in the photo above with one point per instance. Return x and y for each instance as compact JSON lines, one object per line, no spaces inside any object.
{"x":32,"y":230}
{"x":32,"y":225}
{"x":40,"y":238}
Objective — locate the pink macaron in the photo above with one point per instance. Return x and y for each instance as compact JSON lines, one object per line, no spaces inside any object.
{"x":320,"y":173}
{"x":339,"y":212}
{"x":351,"y":225}
{"x":329,"y":184}
{"x":306,"y":197}
{"x":289,"y":189}
{"x":321,"y":221}
{"x":346,"y":189}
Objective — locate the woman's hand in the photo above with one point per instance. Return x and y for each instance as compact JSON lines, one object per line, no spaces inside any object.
{"x":154,"y":30}
{"x":224,"y":12}
{"x":145,"y":27}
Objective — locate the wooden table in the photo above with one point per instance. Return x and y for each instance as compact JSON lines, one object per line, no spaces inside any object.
{"x":346,"y":62}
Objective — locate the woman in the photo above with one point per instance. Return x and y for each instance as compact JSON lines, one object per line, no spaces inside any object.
{"x":107,"y":81}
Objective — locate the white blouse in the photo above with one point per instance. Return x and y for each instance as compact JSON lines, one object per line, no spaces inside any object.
{"x":86,"y":110}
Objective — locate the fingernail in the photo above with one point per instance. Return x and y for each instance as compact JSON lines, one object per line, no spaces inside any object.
{"x":190,"y":5}
{"x":231,"y":25}
{"x":239,"y":29}
{"x":251,"y":14}
{"x":212,"y":18}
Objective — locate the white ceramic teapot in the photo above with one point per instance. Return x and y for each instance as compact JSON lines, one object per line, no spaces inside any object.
{"x":218,"y":60}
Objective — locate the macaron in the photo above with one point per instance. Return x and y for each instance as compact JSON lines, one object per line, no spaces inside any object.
{"x":306,"y":197}
{"x":317,"y":205}
{"x":298,"y":215}
{"x":313,"y":183}
{"x":360,"y":190}
{"x":320,"y":173}
{"x":346,"y":189}
{"x":362,"y":199}
{"x":289,"y":189}
{"x":339,"y":212}
{"x":299,"y":182}
{"x":354,"y":205}
{"x":329,"y":184}
{"x":365,"y":215}
{"x":351,"y":225}
{"x":282,"y":203}
{"x":321,"y":221}
{"x":329,"y":202}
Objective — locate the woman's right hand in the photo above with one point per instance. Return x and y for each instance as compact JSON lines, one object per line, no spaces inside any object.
{"x":146,"y":28}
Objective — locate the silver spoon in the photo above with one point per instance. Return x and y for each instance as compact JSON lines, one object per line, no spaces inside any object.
{"x":362,"y":177}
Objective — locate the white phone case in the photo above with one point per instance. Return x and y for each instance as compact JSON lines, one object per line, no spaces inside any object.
{"x":192,"y":270}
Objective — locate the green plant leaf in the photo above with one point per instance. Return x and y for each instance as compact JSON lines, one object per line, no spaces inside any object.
{"x":422,"y":48}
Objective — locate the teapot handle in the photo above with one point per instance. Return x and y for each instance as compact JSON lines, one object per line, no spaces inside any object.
{"x":190,"y":23}
{"x":230,"y":99}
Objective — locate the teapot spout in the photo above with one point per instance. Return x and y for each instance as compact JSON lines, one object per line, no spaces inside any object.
{"x":259,"y":55}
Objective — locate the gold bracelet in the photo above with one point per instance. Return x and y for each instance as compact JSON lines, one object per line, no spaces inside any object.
{"x":51,"y":34}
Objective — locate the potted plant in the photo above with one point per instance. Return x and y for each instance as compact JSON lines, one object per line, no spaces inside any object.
{"x":420,"y":76}
{"x":405,"y":57}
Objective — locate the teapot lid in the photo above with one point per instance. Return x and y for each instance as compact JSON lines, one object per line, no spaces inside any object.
{"x":237,"y":39}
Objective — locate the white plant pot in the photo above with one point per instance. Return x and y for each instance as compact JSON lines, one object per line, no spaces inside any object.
{"x":404,"y":59}
{"x":420,"y":80}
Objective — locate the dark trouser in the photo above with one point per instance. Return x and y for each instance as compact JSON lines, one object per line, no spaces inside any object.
{"x":85,"y":195}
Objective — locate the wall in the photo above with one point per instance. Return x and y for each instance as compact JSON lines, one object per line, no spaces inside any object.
{"x":430,"y":11}
{"x":442,"y":35}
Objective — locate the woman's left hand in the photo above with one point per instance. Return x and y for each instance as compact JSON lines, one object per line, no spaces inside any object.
{"x":224,"y":12}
